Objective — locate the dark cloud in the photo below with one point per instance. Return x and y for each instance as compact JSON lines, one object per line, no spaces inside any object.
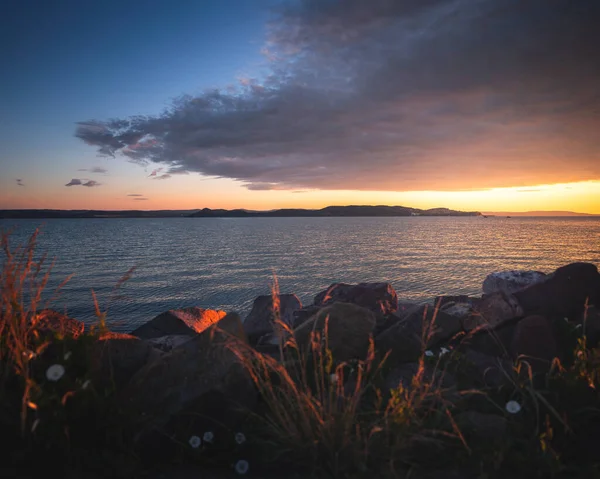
{"x":164,"y":176}
{"x":19,"y":182}
{"x":393,"y":95}
{"x":140,"y":199}
{"x":134,"y":194}
{"x":78,"y":182}
{"x":156,"y":171}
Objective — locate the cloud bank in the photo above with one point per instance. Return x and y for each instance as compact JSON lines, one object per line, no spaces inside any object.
{"x":392,"y":95}
{"x":19,"y":182}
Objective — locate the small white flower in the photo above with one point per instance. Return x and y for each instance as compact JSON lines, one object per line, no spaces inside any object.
{"x":86,"y":384}
{"x":428,"y":353}
{"x":67,"y":355}
{"x":566,"y":320}
{"x":195,"y":442}
{"x":578,"y":326}
{"x":208,"y":437}
{"x":240,"y":438}
{"x":444,"y":351}
{"x":333,"y":378}
{"x":241,"y":467}
{"x":55,"y":372}
{"x":513,"y":407}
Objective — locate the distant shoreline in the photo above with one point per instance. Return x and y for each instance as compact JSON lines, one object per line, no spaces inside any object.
{"x":327,"y":212}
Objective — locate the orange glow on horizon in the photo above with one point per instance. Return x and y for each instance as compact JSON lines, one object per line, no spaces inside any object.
{"x":188,"y":192}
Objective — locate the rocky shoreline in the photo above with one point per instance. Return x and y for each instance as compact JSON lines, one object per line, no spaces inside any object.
{"x":192,"y":359}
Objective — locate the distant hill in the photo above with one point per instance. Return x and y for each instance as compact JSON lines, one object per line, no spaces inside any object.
{"x":352,"y":210}
{"x":538,"y":213}
{"x":39,"y":214}
{"x":237,"y":213}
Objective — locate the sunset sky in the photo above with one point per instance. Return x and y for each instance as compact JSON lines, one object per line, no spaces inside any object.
{"x":488,"y":105}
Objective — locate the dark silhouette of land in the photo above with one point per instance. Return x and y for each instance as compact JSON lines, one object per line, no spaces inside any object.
{"x":328,"y":211}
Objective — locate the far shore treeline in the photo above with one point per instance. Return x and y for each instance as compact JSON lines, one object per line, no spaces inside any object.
{"x":237,"y":213}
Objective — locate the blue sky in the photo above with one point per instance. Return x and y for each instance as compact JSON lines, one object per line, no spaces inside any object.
{"x":469,"y":104}
{"x":68,"y":61}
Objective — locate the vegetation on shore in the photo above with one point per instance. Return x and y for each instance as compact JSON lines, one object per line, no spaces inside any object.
{"x":316,"y":416}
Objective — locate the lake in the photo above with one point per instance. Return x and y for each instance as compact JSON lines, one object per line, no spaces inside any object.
{"x":226,"y":263}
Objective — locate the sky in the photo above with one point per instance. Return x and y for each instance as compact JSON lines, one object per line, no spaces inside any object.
{"x":487,"y":105}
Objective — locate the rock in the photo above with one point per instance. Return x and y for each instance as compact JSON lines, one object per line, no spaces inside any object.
{"x":447,"y":301}
{"x":349,"y":330}
{"x":260,"y":321}
{"x":493,"y":311}
{"x":232,"y":325}
{"x":187,"y":322}
{"x":116,"y":357}
{"x":48,"y":320}
{"x":206,"y":364}
{"x":405,"y":338}
{"x":511,"y":281}
{"x":380,"y":298}
{"x":480,"y":426}
{"x":493,"y":342}
{"x":304,"y":314}
{"x":168,"y":343}
{"x":489,"y":371}
{"x":535,"y":342}
{"x":564,"y":293}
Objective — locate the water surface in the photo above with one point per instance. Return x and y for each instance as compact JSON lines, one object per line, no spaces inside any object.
{"x":226,"y":263}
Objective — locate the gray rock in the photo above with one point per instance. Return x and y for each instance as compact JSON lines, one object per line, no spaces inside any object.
{"x":208,"y":363}
{"x":535,"y":342}
{"x":349,"y":329}
{"x":186,"y":321}
{"x":493,"y":311}
{"x":167,"y":343}
{"x":261,"y":319}
{"x":564,"y":294}
{"x":407,"y":338}
{"x":380,"y":298}
{"x":116,"y":357}
{"x":511,"y":281}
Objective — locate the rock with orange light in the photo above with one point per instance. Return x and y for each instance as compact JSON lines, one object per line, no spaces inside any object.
{"x":186,"y":321}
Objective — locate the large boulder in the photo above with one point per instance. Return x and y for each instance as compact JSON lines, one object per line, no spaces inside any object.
{"x":564,"y":293}
{"x":380,"y":298}
{"x":116,"y":357}
{"x":494,"y":310}
{"x":209,"y":364}
{"x":186,"y":321}
{"x":261,"y":319}
{"x":511,"y":281}
{"x":423,"y":328}
{"x":349,"y":328}
{"x":535,"y":342}
{"x":48,"y":320}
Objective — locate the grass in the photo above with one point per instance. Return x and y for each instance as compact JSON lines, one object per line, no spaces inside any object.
{"x":317,"y":416}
